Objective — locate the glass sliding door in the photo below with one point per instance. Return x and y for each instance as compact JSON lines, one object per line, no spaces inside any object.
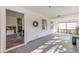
{"x":62,"y":27}
{"x":71,"y":27}
{"x":68,"y":27}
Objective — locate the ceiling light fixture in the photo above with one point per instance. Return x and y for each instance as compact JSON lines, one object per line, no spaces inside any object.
{"x":49,"y":6}
{"x":58,"y":15}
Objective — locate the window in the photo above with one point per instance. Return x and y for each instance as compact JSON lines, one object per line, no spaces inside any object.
{"x":62,"y":27}
{"x":68,"y":27}
{"x":71,"y":25}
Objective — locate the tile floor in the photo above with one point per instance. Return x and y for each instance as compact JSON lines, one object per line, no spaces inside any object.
{"x":54,"y":43}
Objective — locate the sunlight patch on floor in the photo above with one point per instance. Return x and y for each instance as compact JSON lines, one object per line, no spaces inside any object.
{"x":52,"y":50}
{"x":39,"y":49}
{"x":64,"y":49}
{"x":48,"y":43}
{"x":56,"y":37}
{"x":54,"y":43}
{"x":43,"y":46}
{"x":58,"y":41}
{"x":60,"y":46}
{"x":60,"y":49}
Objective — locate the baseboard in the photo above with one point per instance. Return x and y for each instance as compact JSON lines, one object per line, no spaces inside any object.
{"x":14,"y":47}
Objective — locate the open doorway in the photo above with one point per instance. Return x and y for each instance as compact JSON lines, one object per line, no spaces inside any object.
{"x":14,"y":28}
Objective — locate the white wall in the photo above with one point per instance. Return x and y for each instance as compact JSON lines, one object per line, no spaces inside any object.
{"x":37,"y":32}
{"x":3,"y":28}
{"x":11,"y":21}
{"x":0,"y":31}
{"x":31,"y":33}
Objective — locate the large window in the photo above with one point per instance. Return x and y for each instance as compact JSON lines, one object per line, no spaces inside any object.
{"x":68,"y":27}
{"x":62,"y":27}
{"x":71,"y":25}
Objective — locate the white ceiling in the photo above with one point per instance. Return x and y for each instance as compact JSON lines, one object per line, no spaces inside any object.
{"x":13,"y":13}
{"x":54,"y":11}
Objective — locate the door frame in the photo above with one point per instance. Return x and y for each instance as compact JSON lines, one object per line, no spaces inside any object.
{"x":3,"y":28}
{"x":24,"y":33}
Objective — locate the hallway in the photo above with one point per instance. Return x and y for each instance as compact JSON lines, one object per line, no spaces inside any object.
{"x":57,"y":43}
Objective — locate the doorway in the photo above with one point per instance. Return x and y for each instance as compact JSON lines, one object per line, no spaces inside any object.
{"x":14,"y":28}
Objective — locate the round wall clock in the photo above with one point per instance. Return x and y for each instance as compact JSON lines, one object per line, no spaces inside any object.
{"x":35,"y":23}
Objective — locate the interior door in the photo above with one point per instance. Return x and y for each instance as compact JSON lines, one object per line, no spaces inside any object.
{"x":19,"y":25}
